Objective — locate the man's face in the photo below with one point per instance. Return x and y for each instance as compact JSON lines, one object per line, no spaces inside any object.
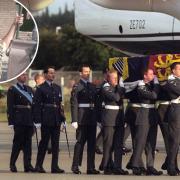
{"x":85,"y":73}
{"x":40,"y":80}
{"x":50,"y":75}
{"x":22,"y":78}
{"x":149,"y":76}
{"x":176,"y":71}
{"x":113,"y":78}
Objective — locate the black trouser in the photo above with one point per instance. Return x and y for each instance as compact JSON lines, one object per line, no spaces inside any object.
{"x":112,"y":142}
{"x":145,"y":138}
{"x":85,"y":133}
{"x":46,"y":134}
{"x":130,"y":118}
{"x":174,"y":135}
{"x":22,"y":141}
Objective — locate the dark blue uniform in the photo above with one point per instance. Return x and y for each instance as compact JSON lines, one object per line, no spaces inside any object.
{"x":47,"y":111}
{"x":83,"y":112}
{"x":19,"y":111}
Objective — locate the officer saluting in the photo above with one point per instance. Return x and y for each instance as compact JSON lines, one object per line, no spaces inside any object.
{"x":19,"y":111}
{"x":47,"y":115}
{"x":84,"y":121}
{"x":173,"y":89}
{"x":113,"y":124}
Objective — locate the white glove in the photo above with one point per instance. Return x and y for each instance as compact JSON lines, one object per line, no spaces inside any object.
{"x":64,"y":124}
{"x":156,"y":81}
{"x":75,"y":125}
{"x":99,"y":125}
{"x":38,"y":125}
{"x":141,"y":83}
{"x":11,"y":126}
{"x":121,"y":83}
{"x":171,"y":77}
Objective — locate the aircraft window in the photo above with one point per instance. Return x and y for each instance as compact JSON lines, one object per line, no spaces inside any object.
{"x":120,"y":29}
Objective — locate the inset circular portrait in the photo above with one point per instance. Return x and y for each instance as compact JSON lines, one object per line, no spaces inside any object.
{"x":19,"y":39}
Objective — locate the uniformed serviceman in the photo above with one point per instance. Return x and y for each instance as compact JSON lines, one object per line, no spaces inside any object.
{"x":113,"y":124}
{"x":130,"y":119}
{"x":84,"y":120}
{"x":146,"y":124}
{"x":19,"y":110}
{"x":99,"y":108}
{"x":173,"y":89}
{"x":48,"y":116}
{"x":164,"y":102}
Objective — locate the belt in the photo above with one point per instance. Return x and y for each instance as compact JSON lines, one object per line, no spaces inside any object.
{"x":86,"y":105}
{"x":139,"y":105}
{"x":176,"y":101}
{"x":165,"y":103}
{"x":113,"y":107}
{"x":23,"y":106}
{"x":51,"y":105}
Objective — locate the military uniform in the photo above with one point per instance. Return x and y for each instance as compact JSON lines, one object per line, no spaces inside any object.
{"x":130,"y":118}
{"x":99,"y":109}
{"x":173,"y":89}
{"x":146,"y":128}
{"x":47,"y":112}
{"x":113,"y":127}
{"x":19,"y":110}
{"x":83,"y":112}
{"x":164,"y":102}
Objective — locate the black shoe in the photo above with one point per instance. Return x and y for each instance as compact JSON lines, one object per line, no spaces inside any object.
{"x":172,"y":172}
{"x":143,"y":170}
{"x":57,"y":170}
{"x":164,"y":166}
{"x":108,"y":172}
{"x":98,"y":151}
{"x":76,"y":170}
{"x":137,"y":171}
{"x":128,"y":166}
{"x":120,"y":171}
{"x":178,"y":171}
{"x":153,"y":171}
{"x":13,"y":169}
{"x":29,"y":169}
{"x":39,"y":169}
{"x":93,"y":171}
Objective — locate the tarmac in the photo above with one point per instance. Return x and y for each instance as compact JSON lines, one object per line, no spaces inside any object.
{"x":6,"y":137}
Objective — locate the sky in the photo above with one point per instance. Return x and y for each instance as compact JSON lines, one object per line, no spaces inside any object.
{"x":54,"y":7}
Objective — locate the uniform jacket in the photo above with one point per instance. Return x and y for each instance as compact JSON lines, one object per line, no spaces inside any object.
{"x":112,"y":96}
{"x":147,"y":94}
{"x":19,"y":116}
{"x":83,"y":93}
{"x":172,"y":87}
{"x":46,"y":95}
